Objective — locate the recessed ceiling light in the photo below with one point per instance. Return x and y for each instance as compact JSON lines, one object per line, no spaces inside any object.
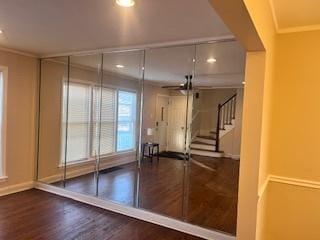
{"x":1,"y":31}
{"x":211,"y":60}
{"x":125,"y":3}
{"x":119,"y":66}
{"x":243,"y":83}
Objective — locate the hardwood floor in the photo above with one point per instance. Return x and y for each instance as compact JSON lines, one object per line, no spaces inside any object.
{"x":35,"y":214}
{"x":211,"y":187}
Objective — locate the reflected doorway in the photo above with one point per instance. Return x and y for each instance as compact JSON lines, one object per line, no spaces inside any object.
{"x":162,"y":110}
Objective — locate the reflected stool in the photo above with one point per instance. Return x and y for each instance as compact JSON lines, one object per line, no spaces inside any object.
{"x":151,"y":147}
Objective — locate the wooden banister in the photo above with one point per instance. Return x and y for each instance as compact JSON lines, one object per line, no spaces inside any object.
{"x":226,"y":113}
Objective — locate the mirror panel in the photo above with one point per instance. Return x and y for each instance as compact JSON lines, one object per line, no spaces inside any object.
{"x":164,"y":129}
{"x":120,"y":126}
{"x":213,"y":171}
{"x":54,"y":71}
{"x":81,"y":116}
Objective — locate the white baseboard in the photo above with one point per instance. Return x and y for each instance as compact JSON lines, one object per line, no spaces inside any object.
{"x":232,"y":156}
{"x":16,"y":188}
{"x":137,"y":213}
{"x":72,"y":173}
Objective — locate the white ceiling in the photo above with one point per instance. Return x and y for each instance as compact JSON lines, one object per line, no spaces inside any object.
{"x":58,"y":26}
{"x":168,"y":66}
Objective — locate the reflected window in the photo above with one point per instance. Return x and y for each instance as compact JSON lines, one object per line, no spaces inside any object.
{"x":126,"y":120}
{"x":78,"y":120}
{"x":118,"y":121}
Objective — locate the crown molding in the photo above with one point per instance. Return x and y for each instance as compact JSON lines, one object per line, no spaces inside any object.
{"x":131,"y":48}
{"x":26,"y":54}
{"x":299,"y":29}
{"x":282,"y":30}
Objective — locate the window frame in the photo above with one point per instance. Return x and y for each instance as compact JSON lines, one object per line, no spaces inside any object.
{"x":134,"y":130}
{"x":93,"y":85}
{"x":3,"y":128}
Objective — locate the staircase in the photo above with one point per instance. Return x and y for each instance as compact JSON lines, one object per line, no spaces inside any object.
{"x":209,"y":144}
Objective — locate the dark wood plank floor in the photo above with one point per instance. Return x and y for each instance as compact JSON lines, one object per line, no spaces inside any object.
{"x":35,"y":214}
{"x":211,"y":195}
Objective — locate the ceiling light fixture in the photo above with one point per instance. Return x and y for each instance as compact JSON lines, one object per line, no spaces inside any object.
{"x":1,"y":31}
{"x":243,"y":83}
{"x":125,"y":3}
{"x":211,"y":60}
{"x":119,"y":66}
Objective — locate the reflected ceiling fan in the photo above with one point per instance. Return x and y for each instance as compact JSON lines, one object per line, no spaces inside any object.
{"x":184,"y":86}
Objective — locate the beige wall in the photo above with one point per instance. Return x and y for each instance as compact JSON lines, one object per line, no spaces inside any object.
{"x":295,"y":132}
{"x":20,"y":118}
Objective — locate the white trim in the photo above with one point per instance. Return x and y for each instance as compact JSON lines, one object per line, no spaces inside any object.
{"x":232,"y":156}
{"x":145,"y":46}
{"x":289,"y":181}
{"x":300,"y":29}
{"x":263,"y":188}
{"x":93,"y":160}
{"x":16,"y":188}
{"x":137,"y":213}
{"x":3,"y":178}
{"x":295,"y":181}
{"x":3,"y":128}
{"x":72,"y":173}
{"x":18,"y":52}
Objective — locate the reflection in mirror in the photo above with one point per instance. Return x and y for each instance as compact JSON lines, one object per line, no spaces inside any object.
{"x":215,"y":136}
{"x":54,"y":74}
{"x":167,"y":75}
{"x":120,"y":124}
{"x":80,"y":118}
{"x":165,"y":139}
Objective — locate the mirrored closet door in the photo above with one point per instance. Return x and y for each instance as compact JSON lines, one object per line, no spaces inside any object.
{"x":157,"y":129}
{"x":168,"y":75}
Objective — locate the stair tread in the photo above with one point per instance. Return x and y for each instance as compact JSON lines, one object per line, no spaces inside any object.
{"x":205,"y":150}
{"x":207,"y":137}
{"x":204,"y":143}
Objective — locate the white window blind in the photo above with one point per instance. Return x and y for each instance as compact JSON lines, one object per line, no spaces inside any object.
{"x":78,"y":121}
{"x":108,"y":118}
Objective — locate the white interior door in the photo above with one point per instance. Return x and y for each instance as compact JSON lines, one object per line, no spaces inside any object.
{"x":162,"y":121}
{"x":177,"y":123}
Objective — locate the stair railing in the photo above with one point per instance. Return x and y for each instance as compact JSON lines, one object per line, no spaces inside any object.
{"x":226,"y":113}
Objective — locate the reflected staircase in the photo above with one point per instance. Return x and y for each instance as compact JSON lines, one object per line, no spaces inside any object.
{"x":209,"y":144}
